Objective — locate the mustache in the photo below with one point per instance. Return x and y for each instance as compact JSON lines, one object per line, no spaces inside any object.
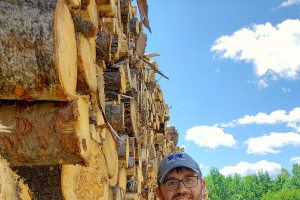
{"x":182,"y":195}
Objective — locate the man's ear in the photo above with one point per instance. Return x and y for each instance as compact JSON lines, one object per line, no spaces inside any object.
{"x":203,"y":186}
{"x":158,"y":193}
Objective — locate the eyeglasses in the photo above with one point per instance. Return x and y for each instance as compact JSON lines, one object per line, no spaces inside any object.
{"x":188,"y":182}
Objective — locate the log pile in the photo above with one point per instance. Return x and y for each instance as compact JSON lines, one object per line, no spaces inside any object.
{"x":82,"y":115}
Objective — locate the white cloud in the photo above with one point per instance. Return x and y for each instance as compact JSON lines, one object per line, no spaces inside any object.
{"x":268,"y":143}
{"x":209,"y":136}
{"x":229,"y":124}
{"x":274,"y":78}
{"x":288,"y":3}
{"x":245,"y":168}
{"x":217,"y":70}
{"x":183,"y":146}
{"x":203,"y":166}
{"x":296,"y":159}
{"x":286,"y":89}
{"x":263,"y":45}
{"x":275,"y":117}
{"x":261,"y":83}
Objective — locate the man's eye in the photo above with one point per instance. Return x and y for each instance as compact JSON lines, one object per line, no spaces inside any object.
{"x":171,"y":183}
{"x":189,"y":179}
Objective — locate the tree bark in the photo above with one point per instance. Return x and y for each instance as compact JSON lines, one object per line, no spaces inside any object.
{"x":114,"y":114}
{"x":115,"y":81}
{"x":44,"y":133}
{"x":132,"y":186}
{"x":123,"y":151}
{"x":115,"y":46}
{"x":130,"y":119}
{"x":113,"y":96}
{"x":38,"y":51}
{"x":125,"y":10}
{"x":118,"y":193}
{"x":85,"y":27}
{"x":134,"y":27}
{"x":131,"y":146}
{"x":103,"y":46}
{"x":43,"y":181}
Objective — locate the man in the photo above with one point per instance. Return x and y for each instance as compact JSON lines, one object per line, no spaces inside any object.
{"x":179,"y":177}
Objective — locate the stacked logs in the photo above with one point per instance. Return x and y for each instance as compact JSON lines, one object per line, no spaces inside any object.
{"x":82,"y":115}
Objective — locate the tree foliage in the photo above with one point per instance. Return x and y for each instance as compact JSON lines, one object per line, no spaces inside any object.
{"x":257,"y":186}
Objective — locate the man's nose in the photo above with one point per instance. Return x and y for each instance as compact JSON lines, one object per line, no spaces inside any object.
{"x":181,"y":188}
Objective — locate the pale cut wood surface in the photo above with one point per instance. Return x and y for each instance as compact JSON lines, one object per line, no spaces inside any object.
{"x":86,"y":77}
{"x":38,"y":51}
{"x":110,"y":152}
{"x":88,"y":182}
{"x":10,"y":187}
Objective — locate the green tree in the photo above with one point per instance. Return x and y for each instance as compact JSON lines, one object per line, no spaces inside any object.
{"x":284,"y":194}
{"x":295,"y":179}
{"x":257,"y":186}
{"x":216,"y":184}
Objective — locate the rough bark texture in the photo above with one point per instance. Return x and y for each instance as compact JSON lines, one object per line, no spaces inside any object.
{"x":85,"y":27}
{"x":44,"y":133}
{"x":130,"y":119}
{"x":115,"y":81}
{"x":134,"y":27}
{"x":115,"y":46}
{"x":125,"y":10}
{"x":123,"y":151}
{"x":43,"y":181}
{"x":113,"y":96}
{"x":118,"y":193}
{"x":115,"y":115}
{"x":38,"y":51}
{"x":103,"y":46}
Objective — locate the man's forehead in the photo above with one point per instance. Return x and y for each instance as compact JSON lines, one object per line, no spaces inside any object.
{"x":182,"y":172}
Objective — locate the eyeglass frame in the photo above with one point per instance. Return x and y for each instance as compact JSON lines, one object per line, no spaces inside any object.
{"x":181,"y":180}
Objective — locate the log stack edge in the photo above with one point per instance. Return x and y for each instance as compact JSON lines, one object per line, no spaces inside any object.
{"x":82,"y":115}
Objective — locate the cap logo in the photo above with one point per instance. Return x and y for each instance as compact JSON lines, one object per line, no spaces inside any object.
{"x":177,"y":156}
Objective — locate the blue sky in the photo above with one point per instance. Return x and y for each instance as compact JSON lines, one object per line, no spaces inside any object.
{"x":234,"y":80}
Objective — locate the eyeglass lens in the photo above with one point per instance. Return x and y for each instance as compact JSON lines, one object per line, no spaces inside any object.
{"x":188,"y":182}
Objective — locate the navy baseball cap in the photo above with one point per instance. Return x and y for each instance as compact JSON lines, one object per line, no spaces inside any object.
{"x":173,"y":160}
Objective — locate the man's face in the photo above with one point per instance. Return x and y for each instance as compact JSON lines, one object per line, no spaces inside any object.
{"x":194,"y":193}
